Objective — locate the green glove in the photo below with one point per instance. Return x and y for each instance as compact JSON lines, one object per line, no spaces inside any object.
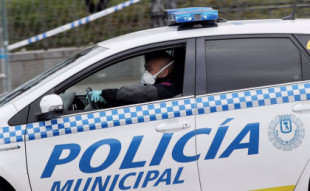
{"x":95,"y":96}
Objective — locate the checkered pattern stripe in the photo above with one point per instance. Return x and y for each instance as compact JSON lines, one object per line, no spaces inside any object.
{"x":253,"y":98}
{"x":112,"y":118}
{"x":12,"y":134}
{"x":157,"y":111}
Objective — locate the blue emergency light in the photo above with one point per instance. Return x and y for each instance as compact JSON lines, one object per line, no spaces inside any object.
{"x":193,"y":14}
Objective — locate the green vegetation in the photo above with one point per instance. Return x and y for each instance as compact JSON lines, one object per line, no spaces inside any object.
{"x":27,"y":18}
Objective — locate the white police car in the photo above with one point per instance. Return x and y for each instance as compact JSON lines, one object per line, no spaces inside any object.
{"x":241,"y":123}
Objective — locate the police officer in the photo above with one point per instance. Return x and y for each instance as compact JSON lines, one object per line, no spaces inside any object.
{"x":157,"y":82}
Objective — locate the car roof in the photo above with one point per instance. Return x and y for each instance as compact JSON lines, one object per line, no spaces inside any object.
{"x":162,"y":34}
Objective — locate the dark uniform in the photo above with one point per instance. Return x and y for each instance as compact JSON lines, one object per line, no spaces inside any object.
{"x":162,"y":89}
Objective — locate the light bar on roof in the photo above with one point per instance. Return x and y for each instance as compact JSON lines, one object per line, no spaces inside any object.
{"x":193,"y":14}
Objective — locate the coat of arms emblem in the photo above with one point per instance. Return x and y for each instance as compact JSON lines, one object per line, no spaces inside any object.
{"x":286,"y":132}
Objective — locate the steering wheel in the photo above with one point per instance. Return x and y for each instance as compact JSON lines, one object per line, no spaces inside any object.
{"x":92,"y":103}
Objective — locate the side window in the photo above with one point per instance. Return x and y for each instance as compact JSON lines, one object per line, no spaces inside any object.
{"x":243,"y":63}
{"x":121,"y":74}
{"x":119,"y":83}
{"x":304,"y":40}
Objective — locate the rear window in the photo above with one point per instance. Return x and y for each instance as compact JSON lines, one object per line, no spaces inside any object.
{"x":244,"y":63}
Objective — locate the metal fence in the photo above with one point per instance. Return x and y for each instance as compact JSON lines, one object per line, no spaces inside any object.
{"x":4,"y":64}
{"x":2,"y":61}
{"x":27,"y":18}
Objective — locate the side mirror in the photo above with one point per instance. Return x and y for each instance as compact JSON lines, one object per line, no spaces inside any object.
{"x":51,"y":107}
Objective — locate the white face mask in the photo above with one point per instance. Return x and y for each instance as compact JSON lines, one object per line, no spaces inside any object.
{"x":148,"y":78}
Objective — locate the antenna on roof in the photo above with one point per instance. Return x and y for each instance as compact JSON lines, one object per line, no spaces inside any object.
{"x":292,"y":15}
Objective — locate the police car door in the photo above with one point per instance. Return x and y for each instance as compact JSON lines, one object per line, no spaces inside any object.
{"x":252,"y":119}
{"x":148,"y":146}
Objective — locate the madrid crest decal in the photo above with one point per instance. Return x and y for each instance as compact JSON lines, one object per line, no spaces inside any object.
{"x":286,"y":132}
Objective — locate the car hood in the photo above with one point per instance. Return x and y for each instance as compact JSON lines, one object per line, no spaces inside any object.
{"x":6,"y":113}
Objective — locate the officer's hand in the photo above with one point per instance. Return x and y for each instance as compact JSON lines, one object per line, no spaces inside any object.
{"x":95,"y":96}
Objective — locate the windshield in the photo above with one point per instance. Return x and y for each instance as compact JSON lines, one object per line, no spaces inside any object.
{"x":75,"y":60}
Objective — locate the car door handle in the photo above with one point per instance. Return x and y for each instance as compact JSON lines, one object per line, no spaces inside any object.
{"x":172,"y":125}
{"x":302,"y":107}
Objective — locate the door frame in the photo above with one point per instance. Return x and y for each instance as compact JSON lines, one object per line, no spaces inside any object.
{"x":188,"y":80}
